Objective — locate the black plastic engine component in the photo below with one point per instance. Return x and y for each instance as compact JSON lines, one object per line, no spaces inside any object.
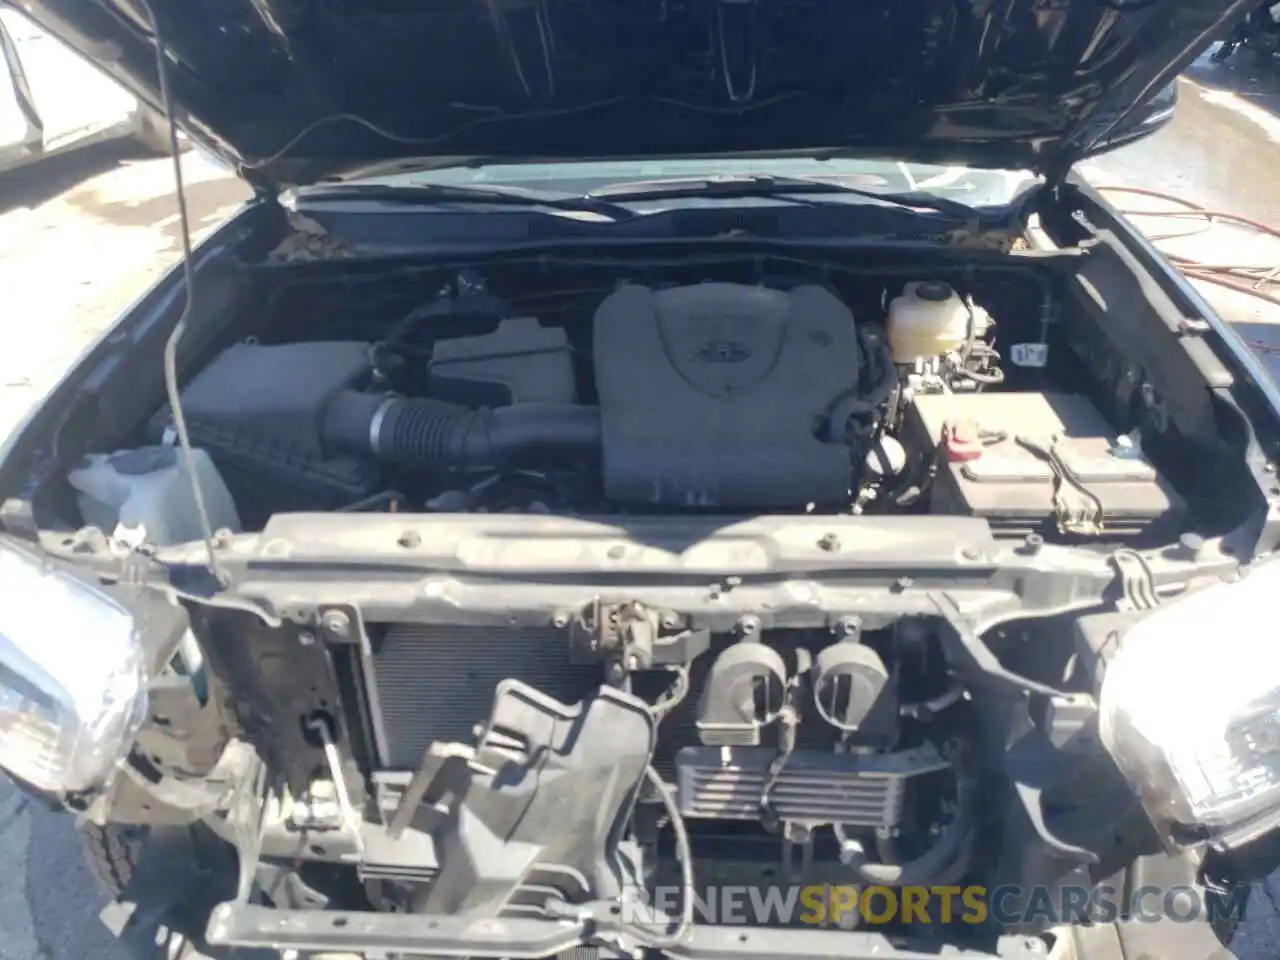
{"x":852,"y":691}
{"x":548,"y":794}
{"x":710,"y":394}
{"x":427,"y":434}
{"x":258,"y":410}
{"x":520,"y":362}
{"x":813,"y":787}
{"x":743,"y":692}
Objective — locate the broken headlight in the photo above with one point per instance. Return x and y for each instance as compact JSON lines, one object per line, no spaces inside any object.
{"x":1190,"y":706}
{"x":72,"y":677}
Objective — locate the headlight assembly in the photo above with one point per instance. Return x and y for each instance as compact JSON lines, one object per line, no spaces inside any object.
{"x":1190,"y":706}
{"x":72,"y":677}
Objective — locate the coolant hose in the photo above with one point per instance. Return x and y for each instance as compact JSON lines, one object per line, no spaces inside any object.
{"x":424,"y":433}
{"x":951,"y":851}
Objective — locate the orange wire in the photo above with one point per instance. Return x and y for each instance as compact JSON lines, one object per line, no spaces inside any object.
{"x":1218,"y":274}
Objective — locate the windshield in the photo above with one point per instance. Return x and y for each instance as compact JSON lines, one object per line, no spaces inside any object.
{"x":974,"y":187}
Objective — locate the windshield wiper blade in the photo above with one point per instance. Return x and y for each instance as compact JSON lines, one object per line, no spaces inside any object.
{"x":430,"y":194}
{"x":766,"y":185}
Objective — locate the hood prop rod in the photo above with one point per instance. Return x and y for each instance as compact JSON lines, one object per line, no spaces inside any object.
{"x":188,"y":281}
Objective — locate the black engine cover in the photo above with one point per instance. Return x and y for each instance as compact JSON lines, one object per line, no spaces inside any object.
{"x":709,"y":394}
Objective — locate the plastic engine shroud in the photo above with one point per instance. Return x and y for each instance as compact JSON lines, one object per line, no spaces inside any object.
{"x":709,"y":394}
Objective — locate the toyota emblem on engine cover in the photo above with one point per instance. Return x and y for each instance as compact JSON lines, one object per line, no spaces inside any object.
{"x":723,"y":351}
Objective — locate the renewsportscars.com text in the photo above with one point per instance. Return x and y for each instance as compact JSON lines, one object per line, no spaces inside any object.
{"x":850,"y":906}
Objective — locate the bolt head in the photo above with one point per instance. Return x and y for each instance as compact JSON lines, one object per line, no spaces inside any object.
{"x":633,"y":662}
{"x":337,"y":623}
{"x":561,"y":619}
{"x":848,"y":627}
{"x":1191,"y":543}
{"x":306,"y":638}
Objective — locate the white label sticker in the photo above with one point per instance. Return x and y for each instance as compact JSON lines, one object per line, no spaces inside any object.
{"x":1029,"y":354}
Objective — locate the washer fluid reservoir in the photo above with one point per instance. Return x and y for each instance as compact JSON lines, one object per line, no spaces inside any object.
{"x":928,"y":320}
{"x":147,"y":487}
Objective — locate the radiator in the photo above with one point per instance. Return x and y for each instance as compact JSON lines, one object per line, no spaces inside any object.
{"x":436,"y":683}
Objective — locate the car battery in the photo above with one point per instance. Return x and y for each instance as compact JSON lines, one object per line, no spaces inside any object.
{"x":1045,"y":463}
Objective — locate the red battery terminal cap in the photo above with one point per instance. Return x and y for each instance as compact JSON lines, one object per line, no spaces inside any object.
{"x":961,"y":440}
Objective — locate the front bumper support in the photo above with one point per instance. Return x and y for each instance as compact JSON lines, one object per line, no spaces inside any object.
{"x":365,"y":933}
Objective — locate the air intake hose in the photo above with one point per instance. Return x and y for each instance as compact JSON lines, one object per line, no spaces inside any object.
{"x":432,"y":434}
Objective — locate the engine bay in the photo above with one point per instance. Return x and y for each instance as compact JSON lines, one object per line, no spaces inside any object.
{"x":959,"y":395}
{"x":560,"y":581}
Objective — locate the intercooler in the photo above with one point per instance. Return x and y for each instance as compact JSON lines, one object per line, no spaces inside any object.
{"x":436,"y":683}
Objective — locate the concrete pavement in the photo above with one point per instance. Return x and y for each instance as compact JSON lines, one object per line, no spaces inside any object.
{"x":81,"y":239}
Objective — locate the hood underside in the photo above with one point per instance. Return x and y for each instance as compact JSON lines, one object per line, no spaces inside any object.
{"x":293,"y":91}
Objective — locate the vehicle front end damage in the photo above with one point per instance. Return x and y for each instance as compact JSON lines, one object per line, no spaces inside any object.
{"x":554,"y":601}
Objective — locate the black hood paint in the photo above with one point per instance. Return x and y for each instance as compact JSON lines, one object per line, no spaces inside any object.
{"x":293,"y":91}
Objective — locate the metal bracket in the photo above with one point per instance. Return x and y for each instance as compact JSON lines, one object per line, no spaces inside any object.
{"x":1137,"y":583}
{"x":518,"y":938}
{"x":350,"y":818}
{"x":630,"y":633}
{"x":246,"y":815}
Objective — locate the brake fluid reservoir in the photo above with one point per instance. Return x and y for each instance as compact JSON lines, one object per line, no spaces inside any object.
{"x":927,"y":320}
{"x":148,"y":487}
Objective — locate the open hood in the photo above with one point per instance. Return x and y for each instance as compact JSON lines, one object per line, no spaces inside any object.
{"x":293,"y":91}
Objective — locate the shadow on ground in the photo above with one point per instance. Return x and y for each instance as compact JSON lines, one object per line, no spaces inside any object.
{"x":1246,"y":74}
{"x":43,"y":180}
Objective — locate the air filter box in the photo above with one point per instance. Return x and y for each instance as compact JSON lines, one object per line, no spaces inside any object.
{"x":257,"y":410}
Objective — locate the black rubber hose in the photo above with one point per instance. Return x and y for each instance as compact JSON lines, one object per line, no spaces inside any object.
{"x":430,"y":434}
{"x":938,"y":861}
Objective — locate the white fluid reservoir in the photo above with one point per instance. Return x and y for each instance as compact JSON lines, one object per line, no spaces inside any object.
{"x":927,"y":320}
{"x":148,"y":487}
